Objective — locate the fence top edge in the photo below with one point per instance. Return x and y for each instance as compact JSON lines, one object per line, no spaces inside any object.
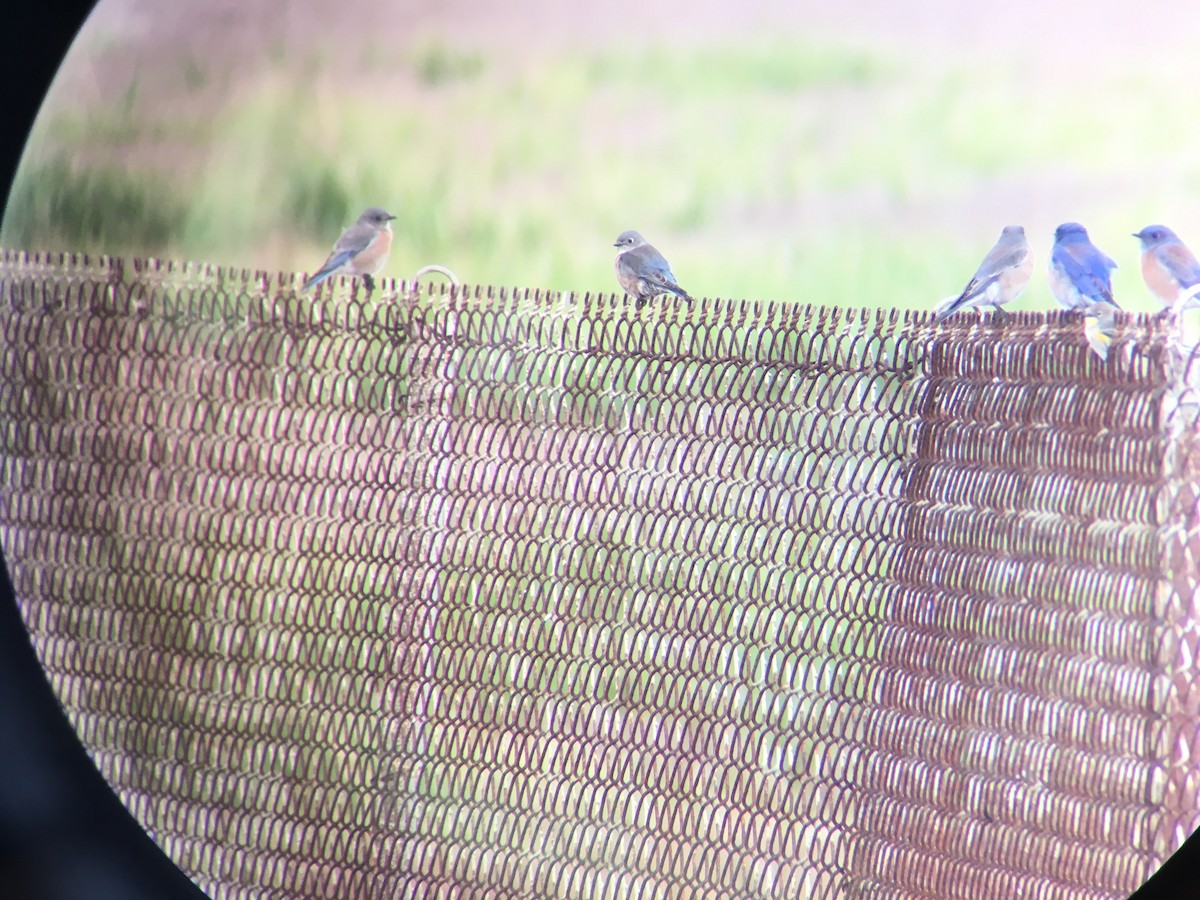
{"x":183,"y":273}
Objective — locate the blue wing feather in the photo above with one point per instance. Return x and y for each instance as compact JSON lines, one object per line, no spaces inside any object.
{"x":1088,"y":269}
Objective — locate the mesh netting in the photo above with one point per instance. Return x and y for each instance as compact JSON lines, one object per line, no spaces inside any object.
{"x":457,"y":592}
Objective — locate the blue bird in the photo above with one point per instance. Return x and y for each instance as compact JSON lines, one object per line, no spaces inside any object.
{"x":1080,"y":275}
{"x":1170,"y":269}
{"x":361,"y":250}
{"x":643,"y":271}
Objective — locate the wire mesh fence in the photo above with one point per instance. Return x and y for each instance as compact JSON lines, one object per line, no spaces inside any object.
{"x":459,"y":592}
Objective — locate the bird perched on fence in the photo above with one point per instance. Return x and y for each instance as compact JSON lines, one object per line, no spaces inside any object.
{"x":1002,"y":276}
{"x":1098,"y":328}
{"x":361,"y":250}
{"x":643,"y":271}
{"x":1169,"y":268}
{"x":1080,"y":275}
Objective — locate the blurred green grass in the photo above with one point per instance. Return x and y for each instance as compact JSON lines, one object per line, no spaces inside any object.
{"x":766,"y":170}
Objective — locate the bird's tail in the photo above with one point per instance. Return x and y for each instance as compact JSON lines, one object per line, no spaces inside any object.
{"x":1099,"y":300}
{"x":949,"y":307}
{"x":317,"y":277}
{"x":679,"y":292}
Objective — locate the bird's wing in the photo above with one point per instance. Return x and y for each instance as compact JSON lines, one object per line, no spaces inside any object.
{"x":652,"y":265}
{"x":1087,"y":268}
{"x":354,"y":240}
{"x":626,"y":267}
{"x":976,"y":286}
{"x":1179,"y":261}
{"x":336,"y":261}
{"x":1003,"y":256}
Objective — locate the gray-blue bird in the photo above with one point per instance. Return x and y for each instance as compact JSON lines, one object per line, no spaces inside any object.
{"x":1080,"y":275}
{"x":361,"y":250}
{"x":1002,"y":276}
{"x":643,"y":271}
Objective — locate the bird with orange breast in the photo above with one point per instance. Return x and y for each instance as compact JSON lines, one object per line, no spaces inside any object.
{"x":362,"y":249}
{"x":1169,"y":268}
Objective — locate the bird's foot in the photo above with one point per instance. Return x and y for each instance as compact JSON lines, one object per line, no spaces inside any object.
{"x":369,"y":282}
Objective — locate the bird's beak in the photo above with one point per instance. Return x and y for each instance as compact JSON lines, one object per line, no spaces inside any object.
{"x":616,"y":245}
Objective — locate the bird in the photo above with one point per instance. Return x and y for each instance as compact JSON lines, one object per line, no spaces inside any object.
{"x":643,"y":271}
{"x":1169,"y":268}
{"x":1080,"y":275}
{"x":1002,"y":276}
{"x":361,"y":250}
{"x":1098,"y":327}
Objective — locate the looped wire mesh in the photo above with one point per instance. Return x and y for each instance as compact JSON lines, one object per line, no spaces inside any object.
{"x":457,"y":591}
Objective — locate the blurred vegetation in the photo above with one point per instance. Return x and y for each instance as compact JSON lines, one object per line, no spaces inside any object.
{"x":437,"y":63}
{"x":60,"y":203}
{"x":776,"y":169}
